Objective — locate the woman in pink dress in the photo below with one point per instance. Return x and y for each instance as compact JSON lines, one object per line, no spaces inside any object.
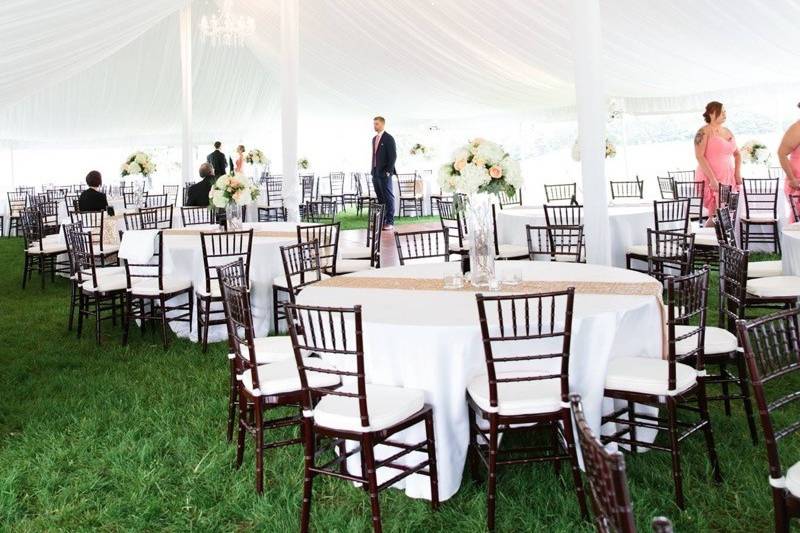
{"x":789,"y":156}
{"x":239,"y":163}
{"x":718,"y":157}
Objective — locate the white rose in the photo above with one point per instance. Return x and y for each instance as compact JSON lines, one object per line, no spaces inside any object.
{"x":134,"y":168}
{"x":489,"y":152}
{"x":141,"y":158}
{"x":218,"y":199}
{"x":124,"y":167}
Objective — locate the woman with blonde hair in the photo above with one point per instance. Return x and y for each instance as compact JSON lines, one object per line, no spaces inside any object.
{"x":718,"y":158}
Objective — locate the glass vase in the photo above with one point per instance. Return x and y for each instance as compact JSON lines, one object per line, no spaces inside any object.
{"x":233,"y":216}
{"x":480,"y":229}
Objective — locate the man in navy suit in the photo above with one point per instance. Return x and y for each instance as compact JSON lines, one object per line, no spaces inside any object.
{"x":384,"y":155}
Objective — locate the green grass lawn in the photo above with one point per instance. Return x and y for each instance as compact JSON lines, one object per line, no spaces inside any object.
{"x":349,"y":220}
{"x":133,"y":439}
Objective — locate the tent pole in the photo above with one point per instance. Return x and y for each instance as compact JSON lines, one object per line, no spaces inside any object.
{"x":290,"y":62}
{"x":625,"y":144}
{"x":590,"y":99}
{"x":187,"y":158}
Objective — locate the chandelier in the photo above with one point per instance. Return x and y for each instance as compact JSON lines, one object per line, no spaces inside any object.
{"x":226,"y":28}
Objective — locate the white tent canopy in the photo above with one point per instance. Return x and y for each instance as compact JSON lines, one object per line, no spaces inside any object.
{"x":83,"y":71}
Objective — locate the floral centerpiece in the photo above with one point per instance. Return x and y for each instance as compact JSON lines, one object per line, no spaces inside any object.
{"x":256,"y":157}
{"x":479,"y":170}
{"x":138,"y":163}
{"x":420,"y":149}
{"x":231,"y":192}
{"x":302,"y":163}
{"x":755,"y":152}
{"x":611,"y":150}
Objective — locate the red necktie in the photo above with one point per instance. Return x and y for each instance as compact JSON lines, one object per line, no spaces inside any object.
{"x":375,"y":150}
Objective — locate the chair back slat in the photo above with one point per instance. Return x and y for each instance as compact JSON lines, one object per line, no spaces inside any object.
{"x":327,"y":239}
{"x":220,"y":248}
{"x":156,"y":217}
{"x":669,"y":253}
{"x":196,"y":216}
{"x":732,"y":284}
{"x":422,"y":245}
{"x":693,"y":191}
{"x":760,"y":197}
{"x":453,"y":221}
{"x":555,"y":243}
{"x":627,"y":189}
{"x":671,"y":215}
{"x":682,"y":175}
{"x":301,"y":265}
{"x":560,"y":192}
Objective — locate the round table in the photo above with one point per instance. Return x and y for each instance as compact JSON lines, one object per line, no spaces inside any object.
{"x":628,"y":226}
{"x":430,"y":339}
{"x":790,"y":247}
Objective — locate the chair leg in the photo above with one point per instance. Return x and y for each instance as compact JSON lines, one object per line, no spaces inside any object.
{"x":726,"y":396}
{"x":702,"y":404}
{"x":745,"y":392}
{"x":206,"y":320}
{"x":259,"y":423}
{"x":72,"y":293}
{"x":372,"y":482}
{"x":242,"y":430}
{"x":491,"y":485}
{"x":191,"y":310}
{"x":308,"y":475}
{"x":472,"y":449}
{"x":198,"y":309}
{"x":232,"y":401}
{"x":555,"y":445}
{"x":163,"y":313}
{"x":275,"y":308}
{"x":97,"y":326}
{"x":632,"y":427}
{"x":431,"y":443}
{"x":24,"y":268}
{"x":781,"y":515}
{"x":127,"y":318}
{"x":776,"y":238}
{"x":80,"y":314}
{"x":675,"y":452}
{"x":569,"y":436}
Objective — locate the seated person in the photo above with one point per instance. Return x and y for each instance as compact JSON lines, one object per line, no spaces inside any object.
{"x":197,"y":195}
{"x":92,"y":199}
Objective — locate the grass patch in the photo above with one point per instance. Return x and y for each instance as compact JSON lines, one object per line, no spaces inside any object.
{"x":133,"y":439}
{"x":349,"y":220}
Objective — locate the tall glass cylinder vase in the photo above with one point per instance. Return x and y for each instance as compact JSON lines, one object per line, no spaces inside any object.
{"x":481,"y":239}
{"x":139,"y":192}
{"x":233,"y":216}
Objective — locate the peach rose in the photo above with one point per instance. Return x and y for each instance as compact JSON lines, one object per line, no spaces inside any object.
{"x":460,"y":164}
{"x":496,"y":172}
{"x":480,"y":163}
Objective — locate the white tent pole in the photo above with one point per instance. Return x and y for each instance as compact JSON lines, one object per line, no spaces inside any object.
{"x":11,"y":165}
{"x":290,"y":62}
{"x":625,"y":145}
{"x":187,"y":157}
{"x":590,"y":98}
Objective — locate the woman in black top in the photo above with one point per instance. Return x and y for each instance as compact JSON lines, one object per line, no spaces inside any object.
{"x":92,"y":199}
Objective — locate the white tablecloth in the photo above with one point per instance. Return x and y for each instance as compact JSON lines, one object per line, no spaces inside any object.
{"x":431,"y":340}
{"x":183,"y":256}
{"x":628,"y":226}
{"x":790,"y":245}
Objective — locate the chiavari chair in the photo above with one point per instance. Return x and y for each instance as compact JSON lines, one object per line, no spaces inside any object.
{"x":308,"y":183}
{"x":555,"y":243}
{"x":48,"y":213}
{"x":422,"y":246}
{"x":156,"y":217}
{"x":505,"y":251}
{"x":411,"y":199}
{"x":57,"y":194}
{"x":29,"y":191}
{"x":327,"y":238}
{"x":17,"y":201}
{"x":724,"y":194}
{"x":171,"y":191}
{"x":347,"y":266}
{"x":669,"y":253}
{"x":218,"y":248}
{"x":77,"y":189}
{"x":273,"y":214}
{"x":41,"y":252}
{"x":504,"y":199}
{"x":147,"y":287}
{"x":320,"y":212}
{"x":526,"y":343}
{"x":94,"y":222}
{"x":155,"y":200}
{"x":771,"y":347}
{"x":608,"y":483}
{"x":186,"y":186}
{"x":627,"y":189}
{"x":101,"y":290}
{"x":197,"y":216}
{"x":71,"y":202}
{"x":129,"y":198}
{"x":694,"y":191}
{"x":436,"y":198}
{"x":681,"y":175}
{"x":74,"y":297}
{"x":761,"y":209}
{"x":351,"y":250}
{"x":726,"y":233}
{"x":794,"y":204}
{"x":667,"y":383}
{"x":454,"y":225}
{"x":565,"y":215}
{"x":668,"y":215}
{"x":273,"y":186}
{"x":666,"y":186}
{"x":364,"y":191}
{"x":301,"y":268}
{"x":365,"y":414}
{"x":776,"y":173}
{"x":560,"y":192}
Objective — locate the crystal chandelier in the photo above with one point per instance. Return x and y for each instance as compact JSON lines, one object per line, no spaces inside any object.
{"x":225,"y":28}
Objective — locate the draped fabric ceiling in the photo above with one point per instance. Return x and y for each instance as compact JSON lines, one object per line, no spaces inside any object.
{"x":74,"y":71}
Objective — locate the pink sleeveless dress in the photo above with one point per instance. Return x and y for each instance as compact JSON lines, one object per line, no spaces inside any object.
{"x":794,"y":161}
{"x":239,"y":163}
{"x":719,"y":154}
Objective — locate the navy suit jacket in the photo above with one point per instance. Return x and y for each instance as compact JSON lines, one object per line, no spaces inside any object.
{"x":217,"y":160}
{"x":385,"y":156}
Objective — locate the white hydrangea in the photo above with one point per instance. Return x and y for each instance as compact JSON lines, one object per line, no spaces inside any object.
{"x":134,"y":168}
{"x":218,"y":198}
{"x":489,"y":152}
{"x":141,"y":158}
{"x":512,"y":172}
{"x":472,"y":178}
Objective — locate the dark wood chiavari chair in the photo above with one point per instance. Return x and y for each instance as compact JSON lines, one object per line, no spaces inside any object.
{"x":681,"y":175}
{"x":133,"y":221}
{"x":669,"y":254}
{"x":273,"y":214}
{"x":29,"y":191}
{"x":555,"y":243}
{"x":454,"y":225}
{"x":504,"y":199}
{"x":771,"y":347}
{"x":794,"y":204}
{"x":666,"y":186}
{"x":197,"y":216}
{"x":219,"y":248}
{"x":57,"y":194}
{"x":726,"y":233}
{"x":320,"y":212}
{"x":608,"y":483}
{"x":375,"y":225}
{"x":565,"y":215}
{"x":368,"y":414}
{"x":17,"y":201}
{"x":364,"y":191}
{"x":424,"y":246}
{"x":411,"y":199}
{"x":77,"y":189}
{"x":724,"y":194}
{"x":171,"y":191}
{"x":693,"y":191}
{"x":350,"y":250}
{"x":301,"y":267}
{"x":48,"y":213}
{"x":41,"y":253}
{"x":761,"y":209}
{"x":262,"y":384}
{"x":101,"y":290}
{"x":156,"y":200}
{"x":94,"y":222}
{"x":525,"y":329}
{"x":71,"y":202}
{"x":147,"y":287}
{"x":74,"y":298}
{"x":186,"y":186}
{"x":327,"y":238}
{"x":627,"y":189}
{"x":273,"y":186}
{"x":435,"y":198}
{"x":308,"y":183}
{"x":668,"y":383}
{"x":129,"y":198}
{"x":560,"y":192}
{"x":156,"y":217}
{"x":668,"y":215}
{"x":776,"y":173}
{"x":505,"y":251}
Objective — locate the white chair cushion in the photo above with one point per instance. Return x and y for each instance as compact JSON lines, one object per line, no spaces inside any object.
{"x":354,"y":252}
{"x":48,"y":248}
{"x":216,"y":291}
{"x":107,"y":249}
{"x":519,"y":397}
{"x":648,"y":376}
{"x":386,"y":406}
{"x":705,"y":231}
{"x":149,"y":286}
{"x":764,"y":269}
{"x":280,"y":281}
{"x":345,"y":266}
{"x":282,"y":377}
{"x":512,"y":250}
{"x":638,"y":249}
{"x":106,"y":284}
{"x":717,"y":340}
{"x":793,"y":479}
{"x":453,"y":246}
{"x":270,"y":349}
{"x":775,"y":287}
{"x":760,"y":217}
{"x":705,"y":239}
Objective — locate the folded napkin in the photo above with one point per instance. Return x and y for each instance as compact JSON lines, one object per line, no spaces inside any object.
{"x":138,"y":246}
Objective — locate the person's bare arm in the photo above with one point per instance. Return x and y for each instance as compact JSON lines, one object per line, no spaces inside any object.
{"x":737,"y":161}
{"x":700,"y":143}
{"x":790,"y":141}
